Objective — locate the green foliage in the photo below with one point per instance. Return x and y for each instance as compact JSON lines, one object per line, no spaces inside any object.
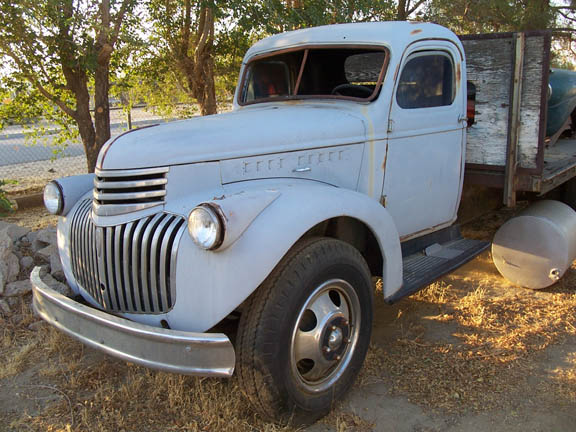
{"x":5,"y":204}
{"x":274,"y":16}
{"x":58,"y":52}
{"x":485,"y":16}
{"x":43,"y":121}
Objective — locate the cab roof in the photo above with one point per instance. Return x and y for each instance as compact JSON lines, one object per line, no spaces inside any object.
{"x":390,"y":33}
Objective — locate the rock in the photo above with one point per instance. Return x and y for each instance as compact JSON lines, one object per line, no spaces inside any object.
{"x":15,"y":232}
{"x":9,"y":263}
{"x":47,"y":235}
{"x":18,"y":288}
{"x":5,"y":307}
{"x":57,"y":286}
{"x":35,"y":326}
{"x":12,"y":264}
{"x":31,"y":236}
{"x":26,"y":262}
{"x":13,"y":301}
{"x":46,"y":253}
{"x":56,"y":269}
{"x":44,"y":270}
{"x":37,"y":245}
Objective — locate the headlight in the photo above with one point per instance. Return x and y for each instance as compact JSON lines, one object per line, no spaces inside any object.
{"x":53,"y":198}
{"x":205,"y":227}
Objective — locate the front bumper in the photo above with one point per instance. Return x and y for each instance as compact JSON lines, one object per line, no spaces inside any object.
{"x":205,"y":354}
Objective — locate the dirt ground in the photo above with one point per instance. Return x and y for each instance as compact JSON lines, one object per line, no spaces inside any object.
{"x":469,"y":353}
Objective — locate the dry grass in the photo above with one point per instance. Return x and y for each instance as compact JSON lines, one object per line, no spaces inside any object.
{"x":102,"y":394}
{"x":497,"y":340}
{"x":470,"y":342}
{"x":35,"y":218}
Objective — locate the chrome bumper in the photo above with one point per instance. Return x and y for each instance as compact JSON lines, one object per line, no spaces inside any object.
{"x":206,"y":354}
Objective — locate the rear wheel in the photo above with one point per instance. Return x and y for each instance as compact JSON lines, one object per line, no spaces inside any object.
{"x":304,"y":333}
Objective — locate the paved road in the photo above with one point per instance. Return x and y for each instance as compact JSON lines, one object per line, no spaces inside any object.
{"x":14,"y":150}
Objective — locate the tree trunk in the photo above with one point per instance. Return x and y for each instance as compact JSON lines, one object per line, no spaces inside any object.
{"x":401,"y":10}
{"x":101,"y":111}
{"x":198,"y":67}
{"x":86,"y":129}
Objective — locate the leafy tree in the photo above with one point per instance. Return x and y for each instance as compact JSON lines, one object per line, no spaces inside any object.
{"x":64,"y":49}
{"x":184,"y":39}
{"x":481,"y":16}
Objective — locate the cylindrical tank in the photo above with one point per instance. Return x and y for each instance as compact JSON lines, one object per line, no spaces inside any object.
{"x":535,"y":249}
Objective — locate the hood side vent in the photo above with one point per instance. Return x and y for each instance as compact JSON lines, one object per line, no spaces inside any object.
{"x":125,"y":191}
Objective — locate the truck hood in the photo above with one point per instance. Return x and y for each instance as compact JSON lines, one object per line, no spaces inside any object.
{"x":246,"y":132}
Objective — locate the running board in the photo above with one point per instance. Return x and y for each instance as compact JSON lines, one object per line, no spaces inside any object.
{"x":422,"y":268}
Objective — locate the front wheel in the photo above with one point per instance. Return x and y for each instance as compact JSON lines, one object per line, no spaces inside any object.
{"x":304,"y":333}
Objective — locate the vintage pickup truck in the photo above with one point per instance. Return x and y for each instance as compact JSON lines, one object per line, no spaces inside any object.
{"x":343,"y":159}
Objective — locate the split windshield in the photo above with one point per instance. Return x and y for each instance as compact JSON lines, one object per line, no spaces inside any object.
{"x":349,"y":73}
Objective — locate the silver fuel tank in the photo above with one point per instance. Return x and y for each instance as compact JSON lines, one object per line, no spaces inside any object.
{"x":535,"y":249}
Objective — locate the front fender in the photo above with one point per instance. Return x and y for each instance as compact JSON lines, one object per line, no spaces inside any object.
{"x":211,"y":284}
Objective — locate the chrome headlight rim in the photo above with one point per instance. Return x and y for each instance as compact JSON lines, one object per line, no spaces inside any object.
{"x":216,"y":219}
{"x":59,"y":196}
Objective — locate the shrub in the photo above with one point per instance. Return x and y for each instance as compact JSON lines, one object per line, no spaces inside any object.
{"x":5,"y":204}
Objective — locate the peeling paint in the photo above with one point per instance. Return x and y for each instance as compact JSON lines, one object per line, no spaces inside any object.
{"x":458,"y":74}
{"x":415,"y":32}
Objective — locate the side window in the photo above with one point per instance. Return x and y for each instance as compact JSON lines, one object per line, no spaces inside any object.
{"x":427,"y":80}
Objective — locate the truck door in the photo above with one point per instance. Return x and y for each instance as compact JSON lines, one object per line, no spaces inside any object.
{"x":424,"y":164}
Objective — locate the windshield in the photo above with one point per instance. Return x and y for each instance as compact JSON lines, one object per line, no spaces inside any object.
{"x":349,"y":73}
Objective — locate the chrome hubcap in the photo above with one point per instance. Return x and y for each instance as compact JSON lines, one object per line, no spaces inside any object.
{"x":335,"y":339}
{"x":325,"y":335}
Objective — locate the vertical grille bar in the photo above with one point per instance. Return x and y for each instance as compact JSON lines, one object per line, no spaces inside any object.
{"x":88,"y":258}
{"x":164,"y":255}
{"x":146,"y":257}
{"x":136,"y":271}
{"x":81,"y":259}
{"x":128,"y":267}
{"x":111,"y":289}
{"x":118,"y":268}
{"x":155,"y":260}
{"x":102,"y":283}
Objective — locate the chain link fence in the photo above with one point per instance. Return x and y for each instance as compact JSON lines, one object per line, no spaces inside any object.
{"x":31,"y":165}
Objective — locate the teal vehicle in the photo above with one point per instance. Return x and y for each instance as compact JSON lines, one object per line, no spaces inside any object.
{"x":562,"y":103}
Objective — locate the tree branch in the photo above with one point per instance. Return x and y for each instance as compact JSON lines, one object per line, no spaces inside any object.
{"x":52,"y":97}
{"x":413,"y":8}
{"x":185,"y":42}
{"x":119,"y":19}
{"x":206,"y":32}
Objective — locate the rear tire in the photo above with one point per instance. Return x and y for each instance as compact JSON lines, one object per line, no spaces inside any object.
{"x":304,"y":333}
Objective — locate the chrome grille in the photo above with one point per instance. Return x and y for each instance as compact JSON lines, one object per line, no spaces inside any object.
{"x":128,"y":267}
{"x":123,"y":191}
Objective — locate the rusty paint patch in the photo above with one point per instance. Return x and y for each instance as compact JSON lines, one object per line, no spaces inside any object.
{"x":458,"y":74}
{"x":415,"y":32}
{"x":385,"y":157}
{"x":397,"y":71}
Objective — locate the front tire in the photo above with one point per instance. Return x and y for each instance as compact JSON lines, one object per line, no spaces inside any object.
{"x":304,"y":333}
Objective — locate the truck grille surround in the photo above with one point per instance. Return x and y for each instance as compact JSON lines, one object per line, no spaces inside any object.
{"x":129,"y":267}
{"x":125,"y":191}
